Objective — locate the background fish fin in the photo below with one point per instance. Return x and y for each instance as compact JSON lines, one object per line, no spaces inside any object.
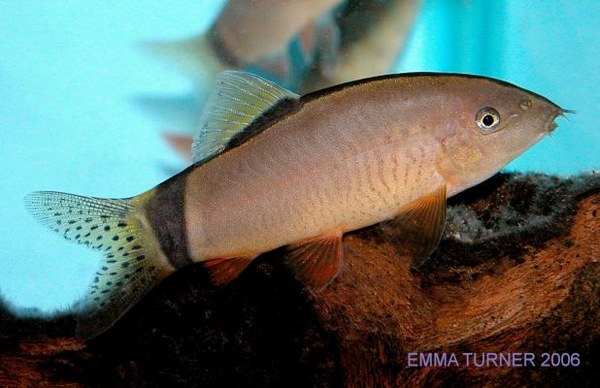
{"x":179,"y":113}
{"x":180,"y":143}
{"x":317,"y":261}
{"x":222,"y":271}
{"x":194,"y":56}
{"x":237,"y":100}
{"x":130,"y":267}
{"x":419,"y":226}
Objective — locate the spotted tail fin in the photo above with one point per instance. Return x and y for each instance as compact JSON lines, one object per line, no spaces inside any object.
{"x":132,"y":262}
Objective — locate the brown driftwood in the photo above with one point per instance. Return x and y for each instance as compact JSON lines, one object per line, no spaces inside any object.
{"x":518,"y":270}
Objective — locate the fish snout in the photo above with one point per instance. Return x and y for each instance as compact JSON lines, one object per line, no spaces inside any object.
{"x":557,"y":112}
{"x":552,"y":112}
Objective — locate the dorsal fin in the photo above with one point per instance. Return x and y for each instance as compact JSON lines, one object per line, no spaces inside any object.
{"x":237,"y":99}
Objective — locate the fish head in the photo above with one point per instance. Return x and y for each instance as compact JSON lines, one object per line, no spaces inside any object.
{"x":492,"y":123}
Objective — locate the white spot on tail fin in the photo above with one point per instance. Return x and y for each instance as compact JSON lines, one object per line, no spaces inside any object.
{"x":130,"y":267}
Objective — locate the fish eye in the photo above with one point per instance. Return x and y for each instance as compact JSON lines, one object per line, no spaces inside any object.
{"x":487,"y":119}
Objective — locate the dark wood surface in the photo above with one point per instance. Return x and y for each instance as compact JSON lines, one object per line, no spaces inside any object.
{"x":518,"y":270}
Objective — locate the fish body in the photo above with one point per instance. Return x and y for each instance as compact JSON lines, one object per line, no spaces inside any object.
{"x":333,"y":164}
{"x":273,"y":169}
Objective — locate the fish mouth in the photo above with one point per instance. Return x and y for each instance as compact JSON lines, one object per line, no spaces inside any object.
{"x":559,"y":112}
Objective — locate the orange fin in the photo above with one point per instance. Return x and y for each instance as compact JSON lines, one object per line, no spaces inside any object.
{"x":180,"y":143}
{"x":420,"y":225}
{"x":222,"y":271}
{"x":317,"y":261}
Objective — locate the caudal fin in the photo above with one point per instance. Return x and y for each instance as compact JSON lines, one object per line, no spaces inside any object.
{"x":131,"y":264}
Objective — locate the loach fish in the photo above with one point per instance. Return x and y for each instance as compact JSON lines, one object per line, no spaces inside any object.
{"x":274,"y":169}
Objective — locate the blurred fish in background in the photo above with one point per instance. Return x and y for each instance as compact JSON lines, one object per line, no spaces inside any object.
{"x":304,"y":45}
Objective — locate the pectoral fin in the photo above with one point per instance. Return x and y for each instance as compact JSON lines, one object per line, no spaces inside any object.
{"x":317,"y":261}
{"x":420,"y":225}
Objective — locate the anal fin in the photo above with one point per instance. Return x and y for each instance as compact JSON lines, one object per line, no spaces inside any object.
{"x":419,"y":226}
{"x":317,"y":261}
{"x":223,"y":271}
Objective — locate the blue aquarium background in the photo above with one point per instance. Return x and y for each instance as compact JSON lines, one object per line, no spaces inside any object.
{"x":71,"y":73}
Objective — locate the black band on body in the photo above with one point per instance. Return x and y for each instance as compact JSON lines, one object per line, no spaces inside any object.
{"x":165,"y":211}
